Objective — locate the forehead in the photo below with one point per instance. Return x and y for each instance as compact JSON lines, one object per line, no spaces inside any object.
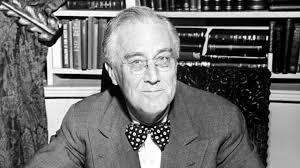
{"x":145,"y":38}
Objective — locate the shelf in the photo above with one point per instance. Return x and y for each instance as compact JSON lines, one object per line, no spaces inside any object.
{"x":81,"y":92}
{"x":76,"y":71}
{"x":229,"y":27}
{"x":285,"y":76}
{"x":69,"y":92}
{"x":285,"y":95}
{"x":231,"y":14}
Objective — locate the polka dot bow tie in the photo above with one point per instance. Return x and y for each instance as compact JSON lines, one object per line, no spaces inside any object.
{"x":137,"y":134}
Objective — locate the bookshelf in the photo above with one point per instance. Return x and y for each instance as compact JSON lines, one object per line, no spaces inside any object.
{"x":75,"y":91}
{"x":233,"y":14}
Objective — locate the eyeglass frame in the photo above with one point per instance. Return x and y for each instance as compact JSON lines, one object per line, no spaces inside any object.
{"x":145,"y":62}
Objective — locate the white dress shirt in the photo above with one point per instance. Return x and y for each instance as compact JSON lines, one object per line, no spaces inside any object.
{"x":149,"y":153}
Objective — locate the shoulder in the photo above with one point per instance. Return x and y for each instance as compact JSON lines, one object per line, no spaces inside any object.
{"x":211,"y":114}
{"x":90,"y":110}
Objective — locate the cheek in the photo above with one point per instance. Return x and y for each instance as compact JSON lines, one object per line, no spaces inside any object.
{"x":131,"y":85}
{"x":170,"y":82}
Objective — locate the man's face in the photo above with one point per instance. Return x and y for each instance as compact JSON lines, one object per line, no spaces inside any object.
{"x":148,"y":92}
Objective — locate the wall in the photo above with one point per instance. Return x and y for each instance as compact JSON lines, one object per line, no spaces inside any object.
{"x":284,"y":134}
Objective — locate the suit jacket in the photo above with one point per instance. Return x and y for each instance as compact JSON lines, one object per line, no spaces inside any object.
{"x":207,"y":131}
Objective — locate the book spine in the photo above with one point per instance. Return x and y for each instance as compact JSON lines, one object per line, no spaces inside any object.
{"x":70,"y":43}
{"x":277,"y":47}
{"x":287,"y":41}
{"x":244,"y":38}
{"x":65,"y":45}
{"x":191,"y":47}
{"x":84,"y":63}
{"x":242,"y":50}
{"x":101,"y":30}
{"x":191,"y":35}
{"x":193,"y":5}
{"x":95,"y":42}
{"x":166,"y":5}
{"x":77,"y":44}
{"x":186,"y":5}
{"x":298,"y":65}
{"x":189,"y":56}
{"x":158,"y":5}
{"x":294,"y":49}
{"x":90,"y":34}
{"x":172,"y":5}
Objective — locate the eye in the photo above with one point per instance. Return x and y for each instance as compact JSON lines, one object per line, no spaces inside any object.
{"x":163,"y":59}
{"x":136,"y":61}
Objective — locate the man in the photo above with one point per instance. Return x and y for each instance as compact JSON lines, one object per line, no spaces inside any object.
{"x":148,"y":119}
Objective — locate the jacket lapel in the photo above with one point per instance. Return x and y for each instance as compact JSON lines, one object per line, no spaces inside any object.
{"x":185,"y":148}
{"x":113,"y":125}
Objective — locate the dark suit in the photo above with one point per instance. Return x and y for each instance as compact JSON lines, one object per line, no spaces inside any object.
{"x":207,"y":131}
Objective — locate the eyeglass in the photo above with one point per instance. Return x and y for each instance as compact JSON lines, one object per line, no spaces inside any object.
{"x":139,"y":64}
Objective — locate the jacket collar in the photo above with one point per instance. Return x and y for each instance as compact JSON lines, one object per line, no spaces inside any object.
{"x":182,"y":137}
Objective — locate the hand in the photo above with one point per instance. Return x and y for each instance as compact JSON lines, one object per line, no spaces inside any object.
{"x":35,"y":20}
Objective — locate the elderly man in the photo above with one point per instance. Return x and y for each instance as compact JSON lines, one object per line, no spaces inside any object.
{"x":148,"y":119}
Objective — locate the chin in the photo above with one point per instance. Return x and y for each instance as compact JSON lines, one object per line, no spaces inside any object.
{"x":154,"y":108}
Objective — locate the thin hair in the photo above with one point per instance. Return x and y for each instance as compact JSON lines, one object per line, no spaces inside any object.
{"x":131,"y":15}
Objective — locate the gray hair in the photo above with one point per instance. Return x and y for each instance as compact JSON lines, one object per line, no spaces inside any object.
{"x":135,"y":15}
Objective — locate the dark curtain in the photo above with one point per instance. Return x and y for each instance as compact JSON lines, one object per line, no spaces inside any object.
{"x":23,"y":123}
{"x":248,"y":88}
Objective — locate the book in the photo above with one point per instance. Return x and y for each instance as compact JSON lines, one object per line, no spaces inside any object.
{"x":298,"y":66}
{"x":193,"y":5}
{"x":77,"y":44}
{"x":158,"y":5}
{"x":294,"y":50}
{"x":101,"y":29}
{"x":189,"y":56}
{"x":70,"y":43}
{"x":95,"y":43}
{"x":98,"y":4}
{"x":284,"y":5}
{"x":257,"y":4}
{"x":191,"y":47}
{"x":84,"y":42}
{"x":277,"y":48}
{"x":166,"y":5}
{"x":242,"y":50}
{"x":90,"y":34}
{"x":172,"y":5}
{"x":190,"y":35}
{"x":285,"y":57}
{"x":240,"y":37}
{"x":196,"y":56}
{"x":65,"y":44}
{"x":223,"y":5}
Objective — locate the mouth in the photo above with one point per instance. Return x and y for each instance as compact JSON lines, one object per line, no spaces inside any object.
{"x":153,"y":92}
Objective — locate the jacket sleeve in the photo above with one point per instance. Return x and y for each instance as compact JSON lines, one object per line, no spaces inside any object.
{"x":237,"y":150}
{"x":66,"y":148}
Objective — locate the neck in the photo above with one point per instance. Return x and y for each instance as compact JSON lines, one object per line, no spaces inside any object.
{"x":148,"y":120}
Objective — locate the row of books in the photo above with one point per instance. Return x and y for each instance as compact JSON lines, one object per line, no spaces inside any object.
{"x":221,"y":46}
{"x":81,"y":43}
{"x":285,"y":45}
{"x":187,"y":5}
{"x":96,"y":4}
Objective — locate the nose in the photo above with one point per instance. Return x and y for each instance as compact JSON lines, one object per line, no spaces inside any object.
{"x":151,"y":75}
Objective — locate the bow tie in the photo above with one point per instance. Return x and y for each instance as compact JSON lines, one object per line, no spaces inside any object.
{"x":137,"y":134}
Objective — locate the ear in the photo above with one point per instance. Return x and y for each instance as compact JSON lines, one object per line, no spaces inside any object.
{"x":111,"y":73}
